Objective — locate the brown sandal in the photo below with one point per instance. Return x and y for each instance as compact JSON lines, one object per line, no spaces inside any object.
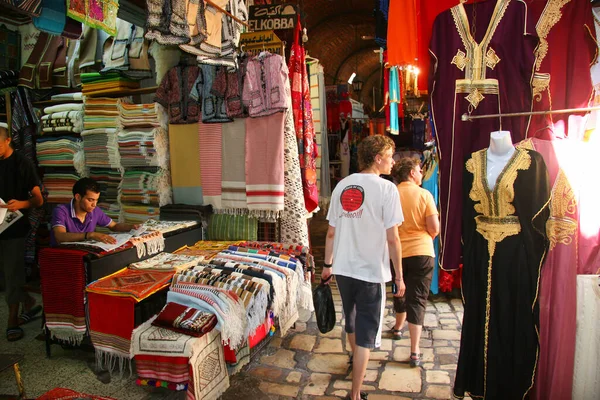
{"x":415,"y":359}
{"x":397,"y":334}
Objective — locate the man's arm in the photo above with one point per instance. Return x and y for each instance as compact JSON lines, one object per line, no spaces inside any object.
{"x":328,"y":253}
{"x":121,"y":227}
{"x":395,"y":247}
{"x":36,"y":200}
{"x":61,"y":235}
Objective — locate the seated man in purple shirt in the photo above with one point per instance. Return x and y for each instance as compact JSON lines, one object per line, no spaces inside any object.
{"x":77,"y":221}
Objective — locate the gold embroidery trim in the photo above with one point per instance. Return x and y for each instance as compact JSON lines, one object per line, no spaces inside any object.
{"x":460,"y":60}
{"x":475,"y":97}
{"x":540,"y":83}
{"x":560,"y":227}
{"x":496,"y":219}
{"x":550,"y":17}
{"x":526,"y":144}
{"x":491,"y":58}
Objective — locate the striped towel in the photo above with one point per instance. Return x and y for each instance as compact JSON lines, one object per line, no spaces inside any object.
{"x":264,"y":165}
{"x":233,"y":184}
{"x":210,"y":142}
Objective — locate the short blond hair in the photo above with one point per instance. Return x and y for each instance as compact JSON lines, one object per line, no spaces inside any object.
{"x":370,"y":146}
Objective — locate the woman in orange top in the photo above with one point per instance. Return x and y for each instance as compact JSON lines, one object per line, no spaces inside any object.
{"x":420,"y":227}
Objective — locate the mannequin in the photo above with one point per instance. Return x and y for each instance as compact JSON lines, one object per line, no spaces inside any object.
{"x":498,"y":154}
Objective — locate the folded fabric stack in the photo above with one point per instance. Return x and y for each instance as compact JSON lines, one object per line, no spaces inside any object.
{"x":148,"y":186}
{"x":111,"y":302}
{"x":102,"y":150}
{"x":138,"y":214}
{"x":61,"y":151}
{"x":207,"y":249}
{"x":93,"y":83}
{"x":167,"y":262}
{"x":140,"y":147}
{"x":59,"y":184}
{"x":63,"y":118}
{"x":108,"y":181}
{"x":77,"y":96}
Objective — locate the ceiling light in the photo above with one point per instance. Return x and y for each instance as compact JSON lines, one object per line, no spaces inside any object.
{"x":351,"y":79}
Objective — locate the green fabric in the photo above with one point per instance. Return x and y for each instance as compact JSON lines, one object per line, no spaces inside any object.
{"x":232,"y":227}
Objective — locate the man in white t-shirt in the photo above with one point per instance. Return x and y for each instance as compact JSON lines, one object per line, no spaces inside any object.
{"x":364,"y":216}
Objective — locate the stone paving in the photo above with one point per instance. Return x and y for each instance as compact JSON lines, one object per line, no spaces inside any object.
{"x":307,"y":364}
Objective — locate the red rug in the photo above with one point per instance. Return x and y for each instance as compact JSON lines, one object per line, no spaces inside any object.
{"x":68,"y":394}
{"x":63,"y":287}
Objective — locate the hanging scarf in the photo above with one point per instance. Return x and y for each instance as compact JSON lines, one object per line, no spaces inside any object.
{"x":304,"y":122}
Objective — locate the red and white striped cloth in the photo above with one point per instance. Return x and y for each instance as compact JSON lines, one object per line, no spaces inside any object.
{"x":264,"y":164}
{"x":210,"y":142}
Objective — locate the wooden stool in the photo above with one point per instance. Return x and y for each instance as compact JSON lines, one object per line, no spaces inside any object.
{"x":12,"y":360}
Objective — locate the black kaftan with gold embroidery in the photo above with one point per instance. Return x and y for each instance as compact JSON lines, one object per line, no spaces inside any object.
{"x":505,"y":244}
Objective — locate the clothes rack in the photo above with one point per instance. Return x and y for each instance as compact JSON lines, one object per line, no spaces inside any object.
{"x":236,"y":19}
{"x":467,"y":117}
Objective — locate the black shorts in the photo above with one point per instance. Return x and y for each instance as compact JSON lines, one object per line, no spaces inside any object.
{"x":417,"y":272}
{"x":364,"y":305}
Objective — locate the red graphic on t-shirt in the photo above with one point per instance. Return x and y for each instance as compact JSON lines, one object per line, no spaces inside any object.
{"x":352,"y":198}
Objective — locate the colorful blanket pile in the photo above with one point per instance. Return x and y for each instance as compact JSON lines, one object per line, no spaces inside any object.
{"x":186,"y":320}
{"x":101,"y":148}
{"x":62,"y":273}
{"x":166,"y":262}
{"x":59,"y":184}
{"x":70,"y":120}
{"x":138,"y":214}
{"x":150,"y":186}
{"x":108,"y":180}
{"x":61,"y":151}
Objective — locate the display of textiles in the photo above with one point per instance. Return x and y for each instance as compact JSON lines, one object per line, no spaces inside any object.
{"x":143,"y":147}
{"x":101,"y":148}
{"x":61,"y":151}
{"x":59,"y":184}
{"x":166,"y":262}
{"x":94,"y":83}
{"x":100,"y":112}
{"x":128,"y":53}
{"x":206,"y":248}
{"x":108,"y":181}
{"x":167,"y":226}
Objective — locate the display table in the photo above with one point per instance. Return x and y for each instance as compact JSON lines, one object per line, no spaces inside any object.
{"x":66,"y":271}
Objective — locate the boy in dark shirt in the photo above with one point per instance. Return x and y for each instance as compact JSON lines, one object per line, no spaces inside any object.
{"x":20,"y":190}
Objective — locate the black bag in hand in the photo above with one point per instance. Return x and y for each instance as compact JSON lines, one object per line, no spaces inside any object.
{"x":324,"y":308}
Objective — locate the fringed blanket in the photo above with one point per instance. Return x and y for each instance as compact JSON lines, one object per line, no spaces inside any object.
{"x":150,"y":243}
{"x":233,"y":184}
{"x":63,"y":279}
{"x":186,"y":320}
{"x":264,"y":165}
{"x":112,"y":319}
{"x":210,"y":142}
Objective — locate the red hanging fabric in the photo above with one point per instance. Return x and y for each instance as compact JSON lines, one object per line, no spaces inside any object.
{"x":303,"y":121}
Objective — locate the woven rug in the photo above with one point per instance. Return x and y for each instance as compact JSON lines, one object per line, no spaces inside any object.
{"x":112,"y":320}
{"x":63,"y":288}
{"x":137,"y":284}
{"x":264,"y":165}
{"x":208,"y":366}
{"x":164,"y":368}
{"x":68,"y":394}
{"x":210,"y":142}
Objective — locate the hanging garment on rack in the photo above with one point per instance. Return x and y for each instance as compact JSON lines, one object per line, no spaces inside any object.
{"x":166,"y":21}
{"x":233,"y":175}
{"x":505,"y":244}
{"x":567,"y":49}
{"x":213,"y":103}
{"x":558,"y":280}
{"x":264,"y":85}
{"x":174,"y":93}
{"x":128,"y":54}
{"x":586,"y":382}
{"x":394,"y":91}
{"x":229,"y":85}
{"x":430,"y":183}
{"x":481,"y":75}
{"x":53,"y":18}
{"x":402,"y":23}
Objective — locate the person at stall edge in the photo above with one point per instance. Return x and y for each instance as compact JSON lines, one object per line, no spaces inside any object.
{"x":20,"y":190}
{"x":77,"y":221}
{"x":363,"y":233}
{"x":420,"y":227}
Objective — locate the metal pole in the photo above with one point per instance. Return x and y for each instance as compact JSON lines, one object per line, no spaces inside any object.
{"x":466,"y":117}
